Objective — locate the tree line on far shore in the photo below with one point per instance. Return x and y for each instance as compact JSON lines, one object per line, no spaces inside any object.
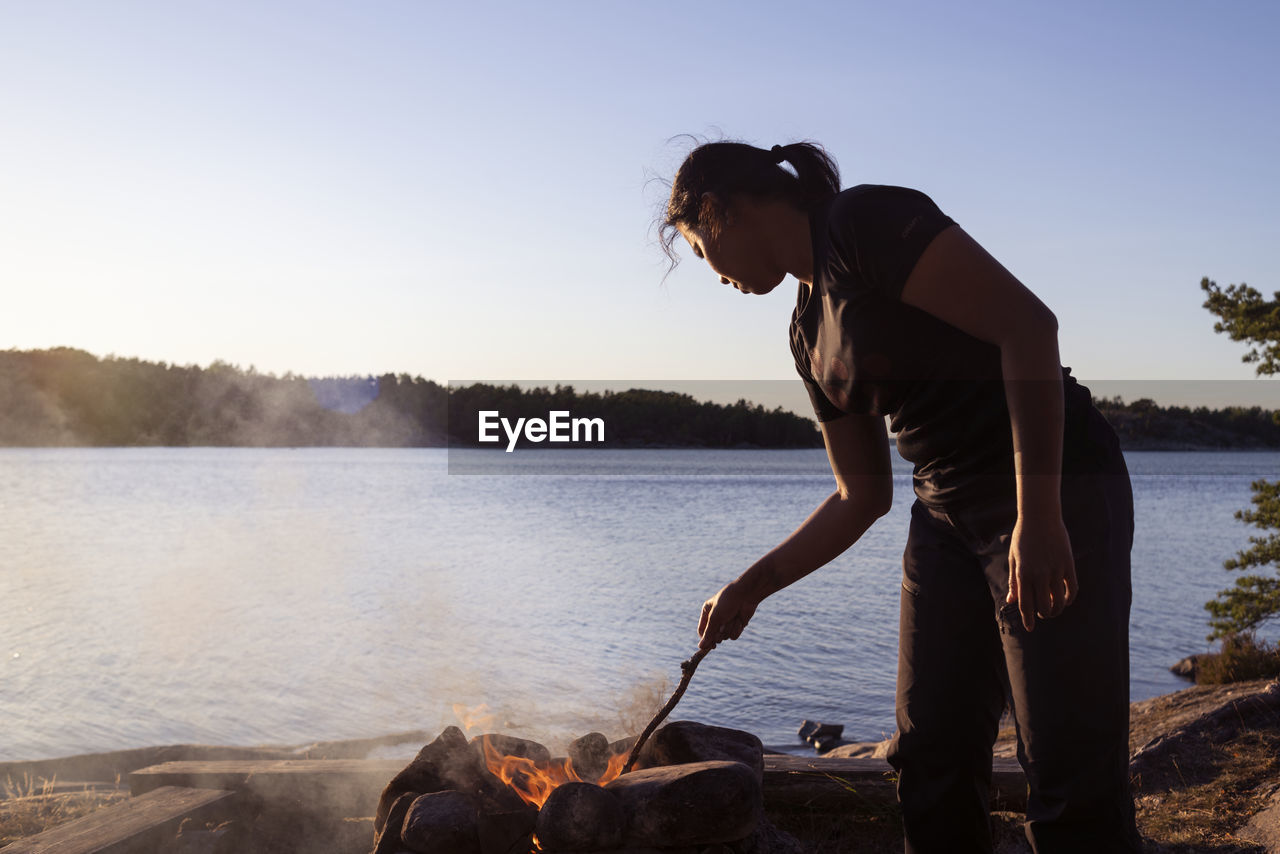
{"x":1144,"y":425}
{"x":67,"y":397}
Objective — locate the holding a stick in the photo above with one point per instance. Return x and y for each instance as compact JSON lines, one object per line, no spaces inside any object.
{"x":1015,"y":580}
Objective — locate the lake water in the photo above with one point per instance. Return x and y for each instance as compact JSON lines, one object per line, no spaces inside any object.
{"x":249,"y":596}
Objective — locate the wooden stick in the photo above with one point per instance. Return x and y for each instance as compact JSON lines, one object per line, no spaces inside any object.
{"x":686,"y":668}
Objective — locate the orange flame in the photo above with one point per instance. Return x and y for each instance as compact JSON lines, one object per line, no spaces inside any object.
{"x":535,"y":781}
{"x":614,"y":769}
{"x":478,"y":716}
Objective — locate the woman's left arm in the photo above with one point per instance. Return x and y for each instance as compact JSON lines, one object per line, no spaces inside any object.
{"x":958,"y":281}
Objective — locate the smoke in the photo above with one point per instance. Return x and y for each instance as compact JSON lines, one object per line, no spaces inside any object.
{"x":230,"y":407}
{"x":63,"y":396}
{"x":29,"y":416}
{"x":638,"y":704}
{"x":478,"y":718}
{"x":626,"y":714}
{"x":345,"y":394}
{"x":629,"y":711}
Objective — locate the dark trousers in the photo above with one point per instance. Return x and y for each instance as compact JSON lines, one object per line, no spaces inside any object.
{"x":963,"y":652}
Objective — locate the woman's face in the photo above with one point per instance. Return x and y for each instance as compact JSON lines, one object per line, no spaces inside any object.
{"x":739,"y":251}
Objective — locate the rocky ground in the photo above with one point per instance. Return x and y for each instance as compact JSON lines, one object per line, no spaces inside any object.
{"x":1205,"y":769}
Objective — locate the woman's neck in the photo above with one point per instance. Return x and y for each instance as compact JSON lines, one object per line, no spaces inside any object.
{"x":794,"y":242}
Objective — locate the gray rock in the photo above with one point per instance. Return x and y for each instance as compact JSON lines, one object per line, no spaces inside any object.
{"x":825,"y":744}
{"x":860,"y":750}
{"x":590,"y":755}
{"x":450,"y":762}
{"x":822,"y":736}
{"x":580,"y":817}
{"x":386,"y":839}
{"x":767,"y":839}
{"x":504,"y":832}
{"x":1188,"y":666}
{"x":688,"y":741}
{"x":442,"y":823}
{"x":509,"y":745}
{"x":700,"y":803}
{"x":1264,"y":827}
{"x":1256,"y":707}
{"x":445,"y":763}
{"x":498,"y":796}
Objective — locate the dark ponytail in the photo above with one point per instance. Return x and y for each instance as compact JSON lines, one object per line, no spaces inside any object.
{"x":715,"y":172}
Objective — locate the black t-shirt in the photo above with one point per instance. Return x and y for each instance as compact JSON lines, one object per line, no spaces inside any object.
{"x":860,"y":349}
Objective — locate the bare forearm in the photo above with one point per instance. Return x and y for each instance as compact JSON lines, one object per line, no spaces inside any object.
{"x":832,"y":528}
{"x":1033,"y":390}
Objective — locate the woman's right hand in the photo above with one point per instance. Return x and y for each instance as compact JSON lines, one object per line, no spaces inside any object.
{"x":726,"y":614}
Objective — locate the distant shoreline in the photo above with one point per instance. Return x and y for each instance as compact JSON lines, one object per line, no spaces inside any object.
{"x":64,"y":397}
{"x":1147,"y":445}
{"x":1180,"y":446}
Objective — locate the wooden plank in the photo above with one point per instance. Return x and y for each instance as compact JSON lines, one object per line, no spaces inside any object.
{"x":141,"y":825}
{"x":351,"y":786}
{"x":839,"y":784}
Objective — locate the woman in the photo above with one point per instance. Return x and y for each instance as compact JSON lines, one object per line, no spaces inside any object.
{"x":1016,"y":570}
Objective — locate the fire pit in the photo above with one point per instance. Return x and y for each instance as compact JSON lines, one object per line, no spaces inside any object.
{"x":694,"y":788}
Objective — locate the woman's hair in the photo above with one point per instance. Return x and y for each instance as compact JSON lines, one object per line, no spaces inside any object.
{"x":716,"y":172}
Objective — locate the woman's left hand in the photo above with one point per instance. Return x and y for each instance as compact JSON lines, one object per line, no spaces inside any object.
{"x":1042,"y":569}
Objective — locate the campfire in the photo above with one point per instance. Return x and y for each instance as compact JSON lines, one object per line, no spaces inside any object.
{"x":592,"y":760}
{"x":693,"y":788}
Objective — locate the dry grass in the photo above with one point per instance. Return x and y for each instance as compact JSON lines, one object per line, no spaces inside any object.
{"x":842,"y":833}
{"x":1241,"y":657}
{"x":1209,"y":792}
{"x":32,"y":805}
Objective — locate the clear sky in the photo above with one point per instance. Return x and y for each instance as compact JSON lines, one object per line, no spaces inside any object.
{"x":463,"y":190}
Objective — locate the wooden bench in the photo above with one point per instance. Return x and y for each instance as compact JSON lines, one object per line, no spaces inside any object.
{"x":347,"y":786}
{"x":141,"y":825}
{"x":166,"y":795}
{"x":352,"y":786}
{"x":847,"y":784}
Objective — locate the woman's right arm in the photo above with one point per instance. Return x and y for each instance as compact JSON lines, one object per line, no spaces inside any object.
{"x":858,"y":449}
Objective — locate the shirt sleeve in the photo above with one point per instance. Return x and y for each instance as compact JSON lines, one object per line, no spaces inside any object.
{"x":823,"y":408}
{"x":880,"y":232}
